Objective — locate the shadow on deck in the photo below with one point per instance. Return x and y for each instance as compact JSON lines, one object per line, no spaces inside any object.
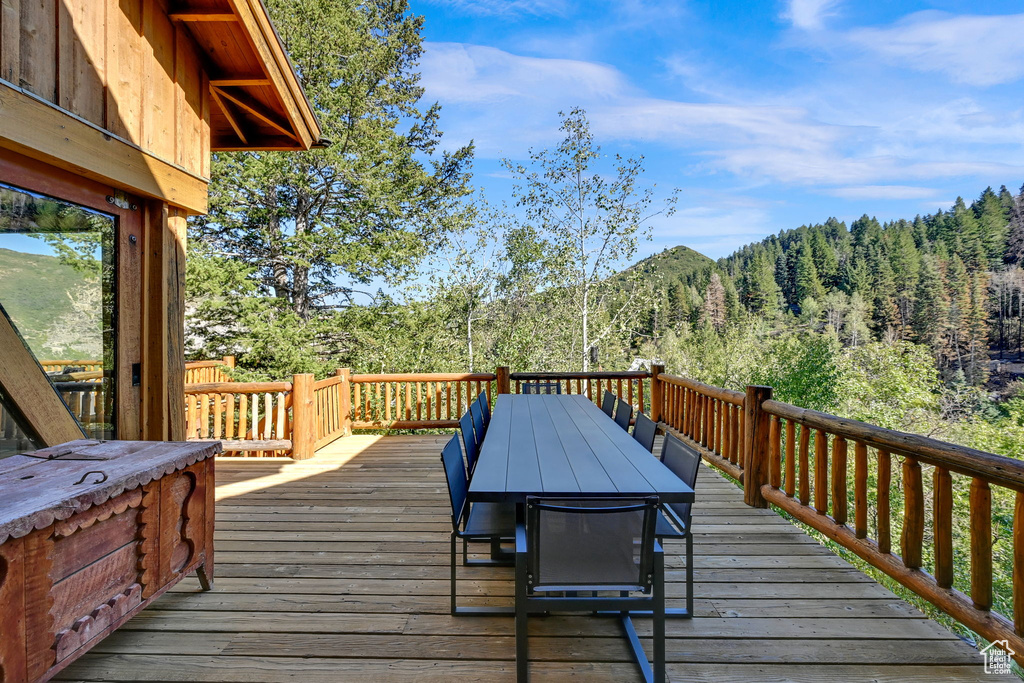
{"x":335,"y":569}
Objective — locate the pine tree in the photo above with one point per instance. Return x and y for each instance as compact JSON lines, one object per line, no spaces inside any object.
{"x":931,"y":313}
{"x":992,"y":224}
{"x":1015,"y":238}
{"x":760,"y":291}
{"x":807,"y":283}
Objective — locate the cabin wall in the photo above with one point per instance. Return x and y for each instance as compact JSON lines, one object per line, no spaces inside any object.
{"x":122,"y":65}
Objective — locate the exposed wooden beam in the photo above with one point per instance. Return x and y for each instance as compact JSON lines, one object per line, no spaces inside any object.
{"x":228,"y":114}
{"x":240,"y":82}
{"x":41,"y":130}
{"x":256,"y":109}
{"x":26,"y":386}
{"x":203,"y":15}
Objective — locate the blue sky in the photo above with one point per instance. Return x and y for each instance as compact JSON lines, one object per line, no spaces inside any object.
{"x":766,"y":115}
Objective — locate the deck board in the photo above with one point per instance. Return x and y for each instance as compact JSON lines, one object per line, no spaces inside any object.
{"x":335,"y":569}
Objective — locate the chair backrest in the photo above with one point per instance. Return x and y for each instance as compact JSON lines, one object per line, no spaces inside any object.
{"x":623,"y":414}
{"x":455,"y":473}
{"x":540,"y":388}
{"x":485,"y":405}
{"x":469,"y":440}
{"x":644,"y":431}
{"x":608,"y":403}
{"x":684,"y":463}
{"x":478,"y":422}
{"x":590,"y":544}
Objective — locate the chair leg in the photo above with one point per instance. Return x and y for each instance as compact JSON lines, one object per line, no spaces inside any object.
{"x":522,"y":646}
{"x":454,"y":608}
{"x":659,"y":617}
{"x":689,"y":572}
{"x":639,"y":656}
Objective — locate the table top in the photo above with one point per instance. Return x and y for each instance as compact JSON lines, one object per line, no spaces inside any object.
{"x":54,"y":483}
{"x":565,"y":446}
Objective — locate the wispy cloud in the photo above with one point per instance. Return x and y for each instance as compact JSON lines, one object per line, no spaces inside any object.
{"x":895,"y":192}
{"x":810,"y":15}
{"x":968,"y":49}
{"x":508,"y":8}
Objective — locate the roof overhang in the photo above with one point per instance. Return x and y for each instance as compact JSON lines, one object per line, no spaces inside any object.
{"x":257,"y":102}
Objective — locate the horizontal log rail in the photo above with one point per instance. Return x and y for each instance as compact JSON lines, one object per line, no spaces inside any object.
{"x":812,"y":465}
{"x":236,"y":387}
{"x":57,"y":366}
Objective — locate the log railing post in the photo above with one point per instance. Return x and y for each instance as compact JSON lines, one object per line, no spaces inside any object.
{"x":345,"y":388}
{"x":756,"y":445}
{"x":657,"y":391}
{"x":229,"y":361}
{"x":303,"y":417}
{"x":502,"y":379}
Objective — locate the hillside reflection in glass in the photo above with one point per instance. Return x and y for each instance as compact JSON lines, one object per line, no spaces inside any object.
{"x":57,"y":288}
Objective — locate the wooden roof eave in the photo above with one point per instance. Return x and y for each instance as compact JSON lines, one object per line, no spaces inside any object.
{"x":298,"y":120}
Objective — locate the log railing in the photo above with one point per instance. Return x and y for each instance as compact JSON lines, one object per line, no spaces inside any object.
{"x":632,"y":387}
{"x":207,"y":371}
{"x":415,"y":401}
{"x":816,"y":467}
{"x":57,"y":366}
{"x":256,"y":413}
{"x":706,"y":417}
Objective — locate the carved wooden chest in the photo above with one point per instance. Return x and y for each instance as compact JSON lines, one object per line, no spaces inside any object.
{"x":90,"y":533}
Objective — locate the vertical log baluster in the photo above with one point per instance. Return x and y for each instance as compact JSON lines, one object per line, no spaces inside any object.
{"x":243,"y":409}
{"x":981,"y":544}
{"x":839,"y":495}
{"x":775,"y":452}
{"x":790,"y":458}
{"x":437,"y":400}
{"x":912,"y":539}
{"x":805,"y":465}
{"x":860,"y":489}
{"x":820,"y":472}
{"x":884,"y":483}
{"x":408,"y":400}
{"x":728,"y":430}
{"x":943,"y":511}
{"x":1018,"y":564}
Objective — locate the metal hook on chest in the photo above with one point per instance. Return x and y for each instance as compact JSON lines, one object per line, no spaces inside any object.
{"x":86,"y":476}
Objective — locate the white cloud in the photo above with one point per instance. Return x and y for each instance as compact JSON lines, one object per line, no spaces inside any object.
{"x":455,"y":72}
{"x":896,"y":192}
{"x":810,"y":15}
{"x":508,"y":103}
{"x":508,"y":8}
{"x":973,"y":50}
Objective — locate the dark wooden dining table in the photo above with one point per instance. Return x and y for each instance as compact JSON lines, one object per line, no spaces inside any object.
{"x":564,"y":446}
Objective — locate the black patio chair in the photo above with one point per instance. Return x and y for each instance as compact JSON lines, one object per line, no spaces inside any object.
{"x":480,"y":522}
{"x":675,"y":520}
{"x":644,"y":431}
{"x":604,"y":546}
{"x":623,"y":414}
{"x":478,"y":422}
{"x":608,"y":403}
{"x":541,"y":388}
{"x":469,"y":441}
{"x":485,"y":406}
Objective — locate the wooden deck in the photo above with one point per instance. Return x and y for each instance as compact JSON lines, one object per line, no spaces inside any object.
{"x":335,"y":569}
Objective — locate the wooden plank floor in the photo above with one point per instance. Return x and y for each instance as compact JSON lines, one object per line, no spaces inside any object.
{"x":335,"y":569}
